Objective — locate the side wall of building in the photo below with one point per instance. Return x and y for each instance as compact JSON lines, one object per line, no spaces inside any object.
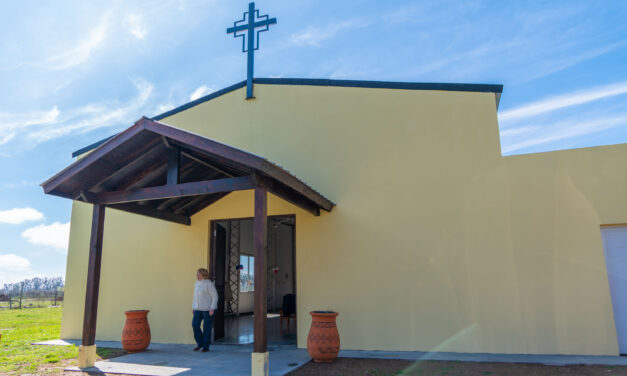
{"x":437,"y":242}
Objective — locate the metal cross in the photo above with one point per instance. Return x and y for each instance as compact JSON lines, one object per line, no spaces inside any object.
{"x":247,"y":23}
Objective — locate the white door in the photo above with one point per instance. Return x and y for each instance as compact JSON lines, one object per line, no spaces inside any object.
{"x":615,"y":245}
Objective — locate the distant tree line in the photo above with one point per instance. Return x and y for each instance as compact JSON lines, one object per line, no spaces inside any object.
{"x":36,"y":292}
{"x":34,"y":284}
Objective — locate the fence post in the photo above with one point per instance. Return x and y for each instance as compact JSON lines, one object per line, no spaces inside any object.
{"x":21,"y":291}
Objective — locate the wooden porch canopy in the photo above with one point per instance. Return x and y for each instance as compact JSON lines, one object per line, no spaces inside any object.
{"x":160,"y":171}
{"x":164,"y":172}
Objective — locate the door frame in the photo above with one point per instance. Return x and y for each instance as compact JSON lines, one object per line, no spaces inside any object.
{"x":211,"y":254}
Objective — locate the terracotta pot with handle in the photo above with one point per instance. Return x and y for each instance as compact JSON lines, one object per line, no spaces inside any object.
{"x":323,"y":341}
{"x":136,"y":333}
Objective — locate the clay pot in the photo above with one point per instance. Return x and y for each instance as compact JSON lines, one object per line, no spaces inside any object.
{"x":136,"y":333}
{"x":323,"y":341}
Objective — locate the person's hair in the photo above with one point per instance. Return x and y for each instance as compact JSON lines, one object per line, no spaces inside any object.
{"x":204,"y":273}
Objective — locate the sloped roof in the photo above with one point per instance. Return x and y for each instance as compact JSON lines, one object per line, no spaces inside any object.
{"x":123,"y":172}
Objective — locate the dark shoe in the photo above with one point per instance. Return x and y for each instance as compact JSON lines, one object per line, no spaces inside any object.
{"x":205,"y":350}
{"x":196,"y":348}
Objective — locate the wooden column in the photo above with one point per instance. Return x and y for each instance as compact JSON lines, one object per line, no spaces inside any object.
{"x":93,"y":275}
{"x":174,"y":165}
{"x":260,"y":230}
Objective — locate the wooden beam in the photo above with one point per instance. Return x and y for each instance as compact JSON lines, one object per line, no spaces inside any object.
{"x":147,"y":152}
{"x":260,"y":229}
{"x":174,"y":166}
{"x":207,"y":164}
{"x":78,"y":166}
{"x":207,"y":201}
{"x":230,"y":155}
{"x":174,"y":190}
{"x":154,"y":213}
{"x":287,"y":194}
{"x":93,"y":276}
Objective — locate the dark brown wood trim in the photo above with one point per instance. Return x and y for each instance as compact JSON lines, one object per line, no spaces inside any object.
{"x":208,"y":201}
{"x":206,"y":145}
{"x":93,"y":276}
{"x":241,"y":157}
{"x":152,"y":212}
{"x":212,"y":245}
{"x":260,"y":233}
{"x":147,"y":152}
{"x":297,"y":185}
{"x":287,"y":194}
{"x":174,"y":190}
{"x":83,"y":163}
{"x":174,"y":165}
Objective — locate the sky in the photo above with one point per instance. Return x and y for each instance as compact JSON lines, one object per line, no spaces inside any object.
{"x":72,"y":73}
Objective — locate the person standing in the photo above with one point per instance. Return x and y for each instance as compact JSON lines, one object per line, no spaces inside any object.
{"x":204,"y":305}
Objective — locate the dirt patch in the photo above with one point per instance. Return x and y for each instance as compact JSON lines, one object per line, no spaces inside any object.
{"x":388,"y":367}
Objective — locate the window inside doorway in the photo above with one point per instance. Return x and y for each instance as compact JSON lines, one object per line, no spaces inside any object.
{"x":247,"y":274}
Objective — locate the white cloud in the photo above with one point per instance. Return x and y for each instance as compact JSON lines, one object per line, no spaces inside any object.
{"x":98,"y":116}
{"x":562,"y":101}
{"x":135,"y":26}
{"x":6,"y":138}
{"x":13,"y":262}
{"x":78,"y":54}
{"x":19,"y":215}
{"x":314,"y":36}
{"x":55,"y":235}
{"x":14,"y":268}
{"x":38,"y":127}
{"x":201,"y":92}
{"x":164,"y":108}
{"x":10,"y":124}
{"x":534,"y":136}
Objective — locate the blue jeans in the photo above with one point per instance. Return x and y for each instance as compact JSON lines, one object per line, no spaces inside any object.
{"x":203,"y":338}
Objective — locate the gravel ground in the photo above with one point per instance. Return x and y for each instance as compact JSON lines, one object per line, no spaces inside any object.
{"x":385,"y":367}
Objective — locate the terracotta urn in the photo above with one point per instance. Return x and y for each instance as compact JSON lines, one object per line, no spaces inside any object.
{"x":136,"y":333}
{"x":323,"y":341}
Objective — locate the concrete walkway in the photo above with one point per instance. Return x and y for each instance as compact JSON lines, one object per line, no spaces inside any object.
{"x":175,"y":359}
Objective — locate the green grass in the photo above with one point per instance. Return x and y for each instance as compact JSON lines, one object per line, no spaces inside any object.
{"x":19,"y":329}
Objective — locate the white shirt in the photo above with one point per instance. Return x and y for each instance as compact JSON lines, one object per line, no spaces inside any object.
{"x":205,"y":296}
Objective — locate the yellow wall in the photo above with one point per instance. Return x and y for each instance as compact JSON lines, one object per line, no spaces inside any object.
{"x":437,"y":242}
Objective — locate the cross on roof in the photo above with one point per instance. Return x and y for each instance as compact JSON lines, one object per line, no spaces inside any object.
{"x":248,"y":23}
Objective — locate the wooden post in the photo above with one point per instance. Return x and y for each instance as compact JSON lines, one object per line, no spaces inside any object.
{"x":93,"y":276}
{"x":260,"y":232}
{"x":21,"y":293}
{"x":174,"y":163}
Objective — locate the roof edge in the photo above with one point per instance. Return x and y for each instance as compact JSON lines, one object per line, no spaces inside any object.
{"x":497,"y":89}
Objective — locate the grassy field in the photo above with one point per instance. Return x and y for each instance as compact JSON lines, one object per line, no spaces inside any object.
{"x":21,"y":327}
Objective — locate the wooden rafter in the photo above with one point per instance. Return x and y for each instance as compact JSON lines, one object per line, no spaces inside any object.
{"x":172,"y":190}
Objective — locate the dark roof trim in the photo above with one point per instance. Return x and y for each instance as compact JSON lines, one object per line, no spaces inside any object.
{"x":481,"y":88}
{"x":92,"y":146}
{"x":200,"y":100}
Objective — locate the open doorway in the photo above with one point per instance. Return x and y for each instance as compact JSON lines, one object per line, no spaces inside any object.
{"x":232,"y":260}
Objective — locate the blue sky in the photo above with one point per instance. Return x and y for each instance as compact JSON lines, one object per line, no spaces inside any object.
{"x":72,"y":73}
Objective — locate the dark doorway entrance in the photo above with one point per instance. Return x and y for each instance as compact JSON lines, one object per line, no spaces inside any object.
{"x":232,"y":268}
